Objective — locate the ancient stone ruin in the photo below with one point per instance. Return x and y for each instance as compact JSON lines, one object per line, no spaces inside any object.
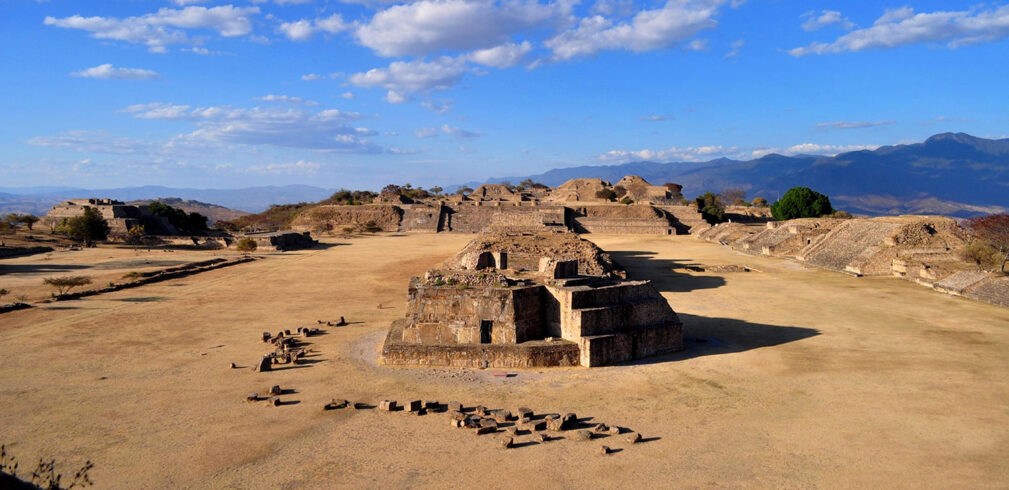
{"x":530,"y":297}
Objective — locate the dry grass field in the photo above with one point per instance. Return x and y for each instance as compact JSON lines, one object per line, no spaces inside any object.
{"x":792,"y":377}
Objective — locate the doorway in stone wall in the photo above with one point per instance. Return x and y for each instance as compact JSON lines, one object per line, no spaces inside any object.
{"x":486,"y":331}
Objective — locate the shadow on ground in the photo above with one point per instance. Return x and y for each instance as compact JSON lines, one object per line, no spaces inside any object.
{"x":665,"y":274}
{"x":707,"y":336}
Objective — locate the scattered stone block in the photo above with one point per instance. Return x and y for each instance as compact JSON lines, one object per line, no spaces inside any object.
{"x":287,"y":332}
{"x":336,"y":404}
{"x":604,"y":450}
{"x":275,"y":390}
{"x":601,"y":428}
{"x":387,"y":405}
{"x":512,"y":431}
{"x":488,"y":423}
{"x":267,"y":336}
{"x":555,"y":424}
{"x":485,"y":430}
{"x":615,"y":430}
{"x":534,"y":425}
{"x":633,"y":438}
{"x":501,"y":416}
{"x":456,"y":415}
{"x":570,"y":420}
{"x":542,"y":438}
{"x":358,"y":405}
{"x":507,"y":442}
{"x":525,"y":413}
{"x":252,"y":397}
{"x":414,"y":405}
{"x":481,"y":410}
{"x":455,"y":406}
{"x":273,"y":401}
{"x":233,"y":366}
{"x":265,"y":364}
{"x":432,"y":405}
{"x":583,"y":435}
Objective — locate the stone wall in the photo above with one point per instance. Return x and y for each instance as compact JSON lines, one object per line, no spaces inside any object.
{"x":453,"y":314}
{"x":336,"y":217}
{"x":421,"y":217}
{"x":526,"y":355}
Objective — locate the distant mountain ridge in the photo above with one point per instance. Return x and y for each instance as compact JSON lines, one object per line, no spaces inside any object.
{"x":951,"y":173}
{"x":38,"y":200}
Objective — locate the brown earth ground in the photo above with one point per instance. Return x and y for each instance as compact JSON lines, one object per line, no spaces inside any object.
{"x":792,"y":377}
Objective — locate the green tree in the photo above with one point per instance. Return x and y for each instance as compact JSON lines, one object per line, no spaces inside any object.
{"x":436,"y":190}
{"x":463,"y":190}
{"x":63,"y":285}
{"x":87,"y":228}
{"x":607,"y":194}
{"x":993,"y":231}
{"x":135,"y":236}
{"x":801,"y":202}
{"x":710,"y":207}
{"x":246,"y":245}
{"x":29,"y":220}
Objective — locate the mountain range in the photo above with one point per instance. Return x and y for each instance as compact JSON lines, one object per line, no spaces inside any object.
{"x":954,"y":174}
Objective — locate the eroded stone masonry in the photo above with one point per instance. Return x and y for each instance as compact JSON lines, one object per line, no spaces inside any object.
{"x":530,"y":297}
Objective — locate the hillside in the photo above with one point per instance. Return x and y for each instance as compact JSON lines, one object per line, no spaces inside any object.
{"x":953,"y":174}
{"x":213,"y":212}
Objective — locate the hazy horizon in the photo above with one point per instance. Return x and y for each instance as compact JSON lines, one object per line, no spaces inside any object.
{"x":358,"y":94}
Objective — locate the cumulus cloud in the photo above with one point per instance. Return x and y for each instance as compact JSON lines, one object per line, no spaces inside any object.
{"x":654,"y":118}
{"x":736,"y":46}
{"x":109,"y":72}
{"x":439,"y":106}
{"x":286,"y":99}
{"x":503,"y":56}
{"x":426,"y":132}
{"x":431,"y":26}
{"x":299,"y":167}
{"x":305,"y":29}
{"x":901,"y":27}
{"x":852,"y":124}
{"x":311,"y":77}
{"x":347,"y":95}
{"x":418,"y":76}
{"x":824,"y":18}
{"x":165,"y":27}
{"x":697,"y":45}
{"x":686,"y":154}
{"x":648,"y":30}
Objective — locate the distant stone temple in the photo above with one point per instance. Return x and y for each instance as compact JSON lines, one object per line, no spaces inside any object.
{"x":530,"y":297}
{"x":119,"y":215}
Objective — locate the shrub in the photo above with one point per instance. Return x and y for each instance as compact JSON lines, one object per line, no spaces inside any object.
{"x":733,"y":196}
{"x":3,"y":292}
{"x":760,"y":202}
{"x":87,"y":228}
{"x":801,"y":202}
{"x":63,"y":285}
{"x":626,"y":200}
{"x":710,"y":207}
{"x":607,"y":194}
{"x":993,"y":231}
{"x":841,"y":215}
{"x":246,"y":245}
{"x":44,"y":476}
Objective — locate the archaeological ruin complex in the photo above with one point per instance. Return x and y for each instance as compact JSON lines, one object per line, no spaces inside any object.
{"x":530,"y":297}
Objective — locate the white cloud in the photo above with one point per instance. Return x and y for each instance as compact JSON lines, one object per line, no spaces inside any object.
{"x":654,"y":118}
{"x":503,"y":56}
{"x":287,"y":99}
{"x":825,"y":18}
{"x":311,"y":77}
{"x":405,"y":77}
{"x":159,"y":30}
{"x":329,"y":129}
{"x":852,"y":124}
{"x":902,"y":27}
{"x":811,"y":149}
{"x":347,"y":95}
{"x":93,"y":142}
{"x":299,"y":167}
{"x":687,"y":154}
{"x":736,"y":47}
{"x":439,"y":106}
{"x":459,"y":132}
{"x":304,"y":29}
{"x":283,"y":2}
{"x":431,"y":26}
{"x":183,"y":3}
{"x":648,"y":30}
{"x":697,"y":45}
{"x":426,"y":132}
{"x":109,"y":72}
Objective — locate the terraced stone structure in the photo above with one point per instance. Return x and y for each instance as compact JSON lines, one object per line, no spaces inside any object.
{"x":530,"y":298}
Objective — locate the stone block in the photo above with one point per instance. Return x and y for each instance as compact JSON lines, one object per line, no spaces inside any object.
{"x":387,"y":405}
{"x":507,"y":442}
{"x":485,"y":430}
{"x":525,"y":413}
{"x":534,"y":425}
{"x":455,"y":406}
{"x":633,"y":437}
{"x":275,"y":390}
{"x":583,"y":435}
{"x":604,"y":450}
{"x":488,"y":423}
{"x":414,"y":405}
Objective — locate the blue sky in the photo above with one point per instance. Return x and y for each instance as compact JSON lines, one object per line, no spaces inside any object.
{"x":362,"y":93}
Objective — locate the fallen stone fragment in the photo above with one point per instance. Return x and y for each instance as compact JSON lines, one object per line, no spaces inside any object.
{"x":633,"y":437}
{"x":507,"y":443}
{"x":570,"y":420}
{"x":512,"y":431}
{"x":267,"y":336}
{"x":275,"y":390}
{"x":542,"y":437}
{"x":387,"y":405}
{"x":534,"y":425}
{"x":601,"y":428}
{"x":481,"y":410}
{"x":287,"y":332}
{"x":432,"y":405}
{"x":583,"y":435}
{"x":555,"y":424}
{"x":273,"y":401}
{"x":233,"y":366}
{"x":455,"y":406}
{"x":336,"y":404}
{"x":485,"y":430}
{"x":488,"y":423}
{"x":615,"y":430}
{"x":604,"y":450}
{"x":525,"y":413}
{"x":414,"y":405}
{"x":265,"y":364}
{"x":252,"y":397}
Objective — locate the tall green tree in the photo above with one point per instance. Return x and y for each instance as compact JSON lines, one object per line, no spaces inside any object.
{"x":710,"y":207}
{"x":801,"y":202}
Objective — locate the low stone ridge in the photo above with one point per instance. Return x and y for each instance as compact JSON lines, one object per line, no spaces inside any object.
{"x":926,"y":250}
